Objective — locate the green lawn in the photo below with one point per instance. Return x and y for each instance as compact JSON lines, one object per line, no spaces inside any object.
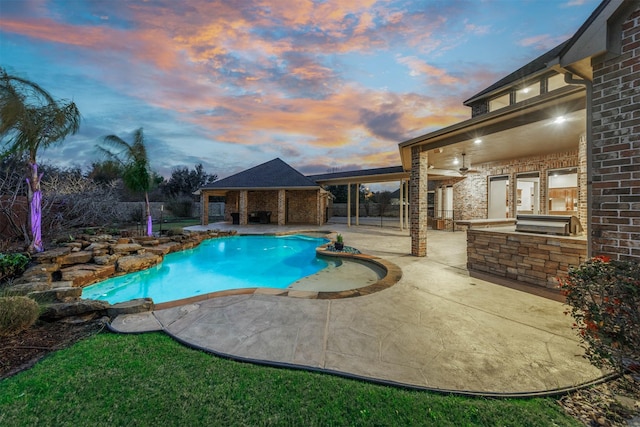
{"x":148,"y":379}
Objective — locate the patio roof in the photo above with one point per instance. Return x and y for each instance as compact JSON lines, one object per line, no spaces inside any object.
{"x":392,"y":173}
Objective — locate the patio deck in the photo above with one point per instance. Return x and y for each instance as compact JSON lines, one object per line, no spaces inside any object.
{"x":437,"y":328}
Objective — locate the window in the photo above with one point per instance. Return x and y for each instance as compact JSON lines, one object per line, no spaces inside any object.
{"x":528,"y":193}
{"x":563,"y":191}
{"x":555,"y":82}
{"x":528,"y":92}
{"x":499,"y":102}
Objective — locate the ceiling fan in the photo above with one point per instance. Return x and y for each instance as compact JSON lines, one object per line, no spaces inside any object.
{"x":465,"y":169}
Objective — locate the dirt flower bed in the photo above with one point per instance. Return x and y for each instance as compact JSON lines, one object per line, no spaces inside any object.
{"x":21,"y":351}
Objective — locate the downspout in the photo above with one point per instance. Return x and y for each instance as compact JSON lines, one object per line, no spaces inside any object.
{"x":588,"y":85}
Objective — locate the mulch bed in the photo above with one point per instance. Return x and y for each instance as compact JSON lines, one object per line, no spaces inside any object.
{"x":23,"y":350}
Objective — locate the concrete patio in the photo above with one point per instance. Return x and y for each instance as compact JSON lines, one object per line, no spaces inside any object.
{"x":437,"y":328}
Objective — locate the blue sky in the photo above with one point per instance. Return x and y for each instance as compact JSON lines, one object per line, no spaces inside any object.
{"x":232,"y":84}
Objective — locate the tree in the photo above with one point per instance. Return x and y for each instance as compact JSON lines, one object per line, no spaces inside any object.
{"x":134,"y":160}
{"x":31,"y":119}
{"x":184,"y":182}
{"x":105,"y":172}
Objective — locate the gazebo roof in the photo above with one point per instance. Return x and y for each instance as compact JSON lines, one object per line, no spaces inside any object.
{"x":274,"y":174}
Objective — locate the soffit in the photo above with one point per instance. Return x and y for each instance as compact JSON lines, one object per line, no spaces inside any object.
{"x":514,"y":134}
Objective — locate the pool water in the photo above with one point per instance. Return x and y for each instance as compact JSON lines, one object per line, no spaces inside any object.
{"x":215,"y":265}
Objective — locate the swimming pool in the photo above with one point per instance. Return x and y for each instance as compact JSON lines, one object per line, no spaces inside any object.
{"x":225,"y":263}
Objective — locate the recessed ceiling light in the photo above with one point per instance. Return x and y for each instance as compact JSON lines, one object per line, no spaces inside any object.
{"x":560,"y":119}
{"x":477,"y":141}
{"x":455,"y":161}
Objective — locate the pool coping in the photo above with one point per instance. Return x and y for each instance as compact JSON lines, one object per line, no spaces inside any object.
{"x":392,"y":276}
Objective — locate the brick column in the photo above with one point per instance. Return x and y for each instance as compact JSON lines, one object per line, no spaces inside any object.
{"x":418,"y":201}
{"x":244,"y":199}
{"x":615,"y":192}
{"x":204,"y":208}
{"x":282,"y":205}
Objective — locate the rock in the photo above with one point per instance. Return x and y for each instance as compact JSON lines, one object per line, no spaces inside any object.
{"x":97,"y":246}
{"x":139,"y":305}
{"x":75,"y":308}
{"x":74,"y":245}
{"x":38,"y":273}
{"x":130,"y":263}
{"x":125,"y":248}
{"x":106,"y":259}
{"x":79,"y":257}
{"x":51,"y":256}
{"x":86,"y":274}
{"x":123,"y":241}
{"x":26,"y":288}
{"x":56,"y":294}
{"x":154,"y":242}
{"x":61,"y":284}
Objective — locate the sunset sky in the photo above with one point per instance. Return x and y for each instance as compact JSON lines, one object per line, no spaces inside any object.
{"x":231,"y":84}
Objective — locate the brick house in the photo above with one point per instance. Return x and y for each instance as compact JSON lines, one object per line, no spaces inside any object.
{"x":559,"y":136}
{"x":272,"y":192}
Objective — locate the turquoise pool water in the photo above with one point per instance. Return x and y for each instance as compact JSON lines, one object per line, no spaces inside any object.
{"x":215,"y":265}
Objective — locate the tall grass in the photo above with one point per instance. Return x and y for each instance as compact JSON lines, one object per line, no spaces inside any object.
{"x":116,"y":380}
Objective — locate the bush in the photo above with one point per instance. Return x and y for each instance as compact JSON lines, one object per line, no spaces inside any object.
{"x":604,"y":300}
{"x":17,"y":314}
{"x":181,"y":207}
{"x":12,"y":265}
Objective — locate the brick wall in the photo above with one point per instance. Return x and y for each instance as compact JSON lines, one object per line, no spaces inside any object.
{"x":528,"y":258}
{"x":470,"y":194}
{"x":302,"y":207}
{"x":615,"y":192}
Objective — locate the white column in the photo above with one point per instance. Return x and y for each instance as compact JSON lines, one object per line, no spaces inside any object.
{"x":349,"y":205}
{"x":407,"y":205}
{"x":357,"y":204}
{"x":401,"y":200}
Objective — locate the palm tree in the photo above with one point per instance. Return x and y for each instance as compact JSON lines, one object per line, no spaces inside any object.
{"x":31,"y":119}
{"x":135,"y":163}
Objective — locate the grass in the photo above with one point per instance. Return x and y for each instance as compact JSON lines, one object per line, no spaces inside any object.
{"x":149,"y":379}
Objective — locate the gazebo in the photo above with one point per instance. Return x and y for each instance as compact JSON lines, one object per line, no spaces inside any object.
{"x":272,"y":192}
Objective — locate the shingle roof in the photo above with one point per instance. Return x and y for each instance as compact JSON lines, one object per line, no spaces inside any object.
{"x":357,"y":173}
{"x":538,"y":64}
{"x":272,"y":174}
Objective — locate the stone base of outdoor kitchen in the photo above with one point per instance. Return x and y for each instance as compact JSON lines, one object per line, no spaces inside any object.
{"x":56,"y":277}
{"x":534,"y":259}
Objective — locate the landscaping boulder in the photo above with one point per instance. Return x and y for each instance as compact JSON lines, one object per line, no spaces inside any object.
{"x":38,"y":273}
{"x":51,"y":256}
{"x":106,"y":259}
{"x":56,"y":294}
{"x":86,"y":274}
{"x":80,"y":257}
{"x":28,"y":287}
{"x":130,"y":263}
{"x":139,"y":305}
{"x":125,"y":248}
{"x":74,"y":308}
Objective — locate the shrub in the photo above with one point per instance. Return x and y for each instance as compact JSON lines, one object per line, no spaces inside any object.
{"x":17,"y":314}
{"x":604,"y":300}
{"x":12,"y":265}
{"x":181,"y":207}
